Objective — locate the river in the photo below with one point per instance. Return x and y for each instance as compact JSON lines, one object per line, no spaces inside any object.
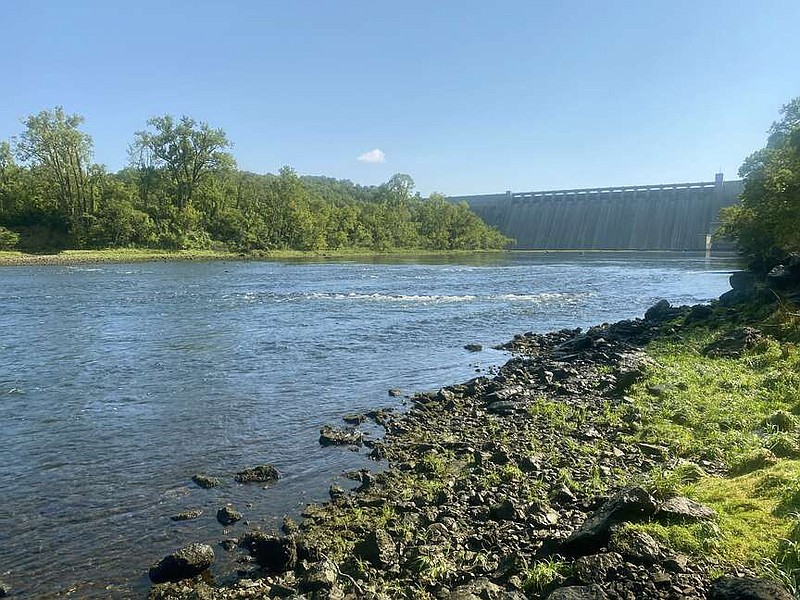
{"x":120,"y":381}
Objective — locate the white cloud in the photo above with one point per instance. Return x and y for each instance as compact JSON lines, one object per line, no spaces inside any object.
{"x":373,"y":156}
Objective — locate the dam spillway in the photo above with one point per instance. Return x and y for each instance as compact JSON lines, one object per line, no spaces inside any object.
{"x":677,"y":216}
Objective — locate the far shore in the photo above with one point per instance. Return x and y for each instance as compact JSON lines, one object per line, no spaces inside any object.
{"x":12,"y":258}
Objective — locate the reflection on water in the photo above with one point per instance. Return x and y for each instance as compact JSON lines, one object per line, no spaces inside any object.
{"x":118,"y":382}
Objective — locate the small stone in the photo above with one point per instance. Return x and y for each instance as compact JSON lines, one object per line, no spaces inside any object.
{"x":395,"y":392}
{"x":473,"y":347}
{"x":354,"y":419}
{"x":229,"y":544}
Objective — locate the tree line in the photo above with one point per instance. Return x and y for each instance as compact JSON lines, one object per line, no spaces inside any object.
{"x":181,"y":189}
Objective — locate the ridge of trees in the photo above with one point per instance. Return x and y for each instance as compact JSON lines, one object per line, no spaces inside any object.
{"x":766,"y":224}
{"x":182,"y":189}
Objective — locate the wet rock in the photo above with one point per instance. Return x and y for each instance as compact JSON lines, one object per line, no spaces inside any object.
{"x":681,"y":508}
{"x":229,"y":544}
{"x":378,"y":548}
{"x":259,"y":474}
{"x":5,"y":589}
{"x":333,"y":436}
{"x":734,"y":343}
{"x":747,"y":588}
{"x":354,"y":419}
{"x":578,"y":592}
{"x":227,"y":515}
{"x":289,"y":526}
{"x":274,"y":553}
{"x":336,"y":491}
{"x":205,"y":481}
{"x":183,"y":564}
{"x":395,"y":392}
{"x":633,"y":504}
{"x":187,"y":515}
{"x":473,"y":347}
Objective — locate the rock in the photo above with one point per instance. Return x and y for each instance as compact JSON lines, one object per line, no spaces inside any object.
{"x":502,"y":407}
{"x":336,"y":491}
{"x":320,"y":576}
{"x":734,"y":343}
{"x":780,"y":421}
{"x":699,"y":312}
{"x":5,"y":589}
{"x":276,"y":554}
{"x":680,"y":508}
{"x":229,"y":544}
{"x":660,"y":311}
{"x":259,"y":474}
{"x":378,"y":548}
{"x":578,"y":592}
{"x":742,"y":281}
{"x":480,"y":589}
{"x":354,"y":419}
{"x":205,"y":481}
{"x":227,"y":515}
{"x":632,"y":504}
{"x":333,"y":436}
{"x":747,"y":588}
{"x":637,"y":546}
{"x":507,"y":510}
{"x":473,"y":347}
{"x":183,"y":564}
{"x":597,"y":568}
{"x":395,"y":392}
{"x":187,"y":515}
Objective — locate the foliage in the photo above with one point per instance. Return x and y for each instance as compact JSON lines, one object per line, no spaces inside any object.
{"x":8,"y":239}
{"x":183,"y":191}
{"x":766,"y":226}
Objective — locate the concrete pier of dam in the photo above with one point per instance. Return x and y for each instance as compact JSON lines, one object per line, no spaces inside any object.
{"x":674,"y":216}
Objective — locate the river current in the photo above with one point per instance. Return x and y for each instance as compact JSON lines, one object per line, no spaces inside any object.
{"x":120,"y":381}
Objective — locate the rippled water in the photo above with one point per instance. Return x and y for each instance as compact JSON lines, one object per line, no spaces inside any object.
{"x":118,"y":382}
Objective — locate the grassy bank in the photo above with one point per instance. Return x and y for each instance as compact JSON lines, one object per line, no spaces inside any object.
{"x":127,"y":255}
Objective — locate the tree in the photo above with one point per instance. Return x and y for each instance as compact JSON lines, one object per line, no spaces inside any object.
{"x":766,"y":225}
{"x":53,"y":144}
{"x":186,"y":149}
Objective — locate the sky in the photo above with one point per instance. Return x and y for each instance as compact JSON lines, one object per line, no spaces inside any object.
{"x":466,"y":97}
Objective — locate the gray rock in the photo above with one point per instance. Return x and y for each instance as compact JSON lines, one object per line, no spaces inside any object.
{"x":680,"y":508}
{"x":659,"y":311}
{"x":632,"y":504}
{"x":747,"y":588}
{"x":636,"y":546}
{"x":259,"y":474}
{"x":276,"y":554}
{"x":187,"y":515}
{"x":578,"y":592}
{"x":333,"y":436}
{"x":183,"y":564}
{"x":502,"y":407}
{"x":320,"y":576}
{"x":597,"y":568}
{"x":227,"y":515}
{"x":378,"y":548}
{"x":480,"y":589}
{"x":395,"y":392}
{"x":473,"y":347}
{"x":205,"y":481}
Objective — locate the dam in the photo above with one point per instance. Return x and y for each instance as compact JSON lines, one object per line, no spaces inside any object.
{"x":675,"y":216}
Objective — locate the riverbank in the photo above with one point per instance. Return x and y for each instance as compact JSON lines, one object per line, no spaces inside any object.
{"x":134,"y":255}
{"x":645,"y":459}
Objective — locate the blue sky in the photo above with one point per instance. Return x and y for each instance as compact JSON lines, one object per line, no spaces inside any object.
{"x":466,"y":97}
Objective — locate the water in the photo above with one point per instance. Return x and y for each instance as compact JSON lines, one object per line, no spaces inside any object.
{"x":118,"y":382}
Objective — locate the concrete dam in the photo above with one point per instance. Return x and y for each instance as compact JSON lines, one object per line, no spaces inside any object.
{"x":675,"y":216}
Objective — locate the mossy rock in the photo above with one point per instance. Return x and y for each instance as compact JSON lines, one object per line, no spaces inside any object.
{"x":758,"y":459}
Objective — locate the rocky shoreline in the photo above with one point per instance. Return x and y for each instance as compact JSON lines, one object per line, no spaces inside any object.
{"x":522,"y":485}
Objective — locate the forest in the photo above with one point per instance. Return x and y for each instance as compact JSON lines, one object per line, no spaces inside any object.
{"x":181,"y":189}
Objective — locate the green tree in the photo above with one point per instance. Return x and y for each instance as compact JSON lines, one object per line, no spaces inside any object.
{"x":54,"y":146}
{"x":187,"y":150}
{"x":766,"y":225}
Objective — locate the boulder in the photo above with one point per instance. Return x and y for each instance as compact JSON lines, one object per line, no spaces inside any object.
{"x":378,"y":548}
{"x":183,"y":564}
{"x":680,"y":508}
{"x":747,"y":588}
{"x":319,"y":576}
{"x":632,"y":504}
{"x":227,"y":515}
{"x":473,"y":347}
{"x":259,"y":474}
{"x":333,"y":436}
{"x":636,"y":546}
{"x":205,"y":481}
{"x":734,"y":343}
{"x":660,"y":311}
{"x":274,"y":553}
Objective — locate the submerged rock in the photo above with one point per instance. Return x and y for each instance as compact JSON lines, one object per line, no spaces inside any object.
{"x":205,"y":481}
{"x":183,"y":564}
{"x":227,"y":515}
{"x":259,"y":474}
{"x":187,"y":515}
{"x":333,"y":436}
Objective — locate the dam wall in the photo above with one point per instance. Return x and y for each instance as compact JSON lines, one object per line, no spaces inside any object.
{"x":677,"y":216}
